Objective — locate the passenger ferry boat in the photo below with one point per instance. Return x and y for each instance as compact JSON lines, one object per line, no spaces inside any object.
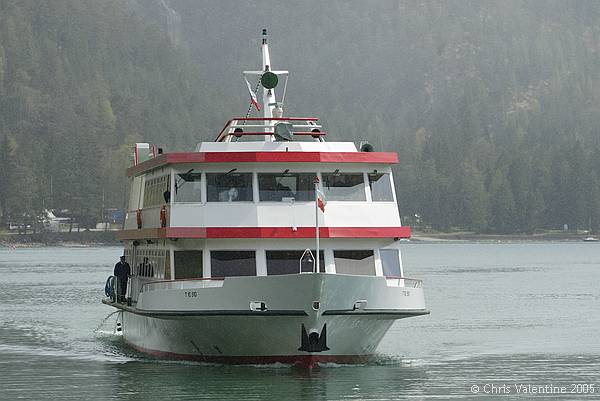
{"x":267,"y":245}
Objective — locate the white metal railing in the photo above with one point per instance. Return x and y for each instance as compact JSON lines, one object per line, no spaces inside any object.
{"x":182,"y":284}
{"x":403,"y":282}
{"x":137,"y":284}
{"x":218,"y":282}
{"x":115,"y":283}
{"x":258,"y":126}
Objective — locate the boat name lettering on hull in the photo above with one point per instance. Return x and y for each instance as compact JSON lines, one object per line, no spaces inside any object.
{"x":190,"y":294}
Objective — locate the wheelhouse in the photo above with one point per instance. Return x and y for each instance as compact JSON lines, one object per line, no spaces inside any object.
{"x":234,"y":209}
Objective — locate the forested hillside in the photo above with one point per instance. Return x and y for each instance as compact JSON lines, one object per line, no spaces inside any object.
{"x":80,"y":81}
{"x":493,"y":107}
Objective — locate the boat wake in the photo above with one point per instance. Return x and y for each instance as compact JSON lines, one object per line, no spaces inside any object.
{"x":70,"y":354}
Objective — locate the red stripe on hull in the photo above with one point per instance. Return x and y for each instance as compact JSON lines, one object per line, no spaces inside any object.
{"x":305,"y":361}
{"x":266,"y":232}
{"x":264,"y":157}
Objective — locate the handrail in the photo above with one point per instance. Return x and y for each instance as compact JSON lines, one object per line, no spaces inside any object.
{"x":416,"y":283}
{"x":228,"y":124}
{"x":188,"y":279}
{"x":182,"y":279}
{"x":223,"y":278}
{"x":171,"y":284}
{"x":275,"y":119}
{"x":244,"y":133}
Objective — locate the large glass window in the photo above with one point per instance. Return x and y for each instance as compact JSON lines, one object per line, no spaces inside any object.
{"x":188,"y":187}
{"x":288,"y":262}
{"x":286,"y":186}
{"x":355,"y":262}
{"x":188,"y":264}
{"x":156,"y":191}
{"x":390,"y":262}
{"x":232,"y":263}
{"x":381,"y":187}
{"x":229,"y":187}
{"x":344,"y":186}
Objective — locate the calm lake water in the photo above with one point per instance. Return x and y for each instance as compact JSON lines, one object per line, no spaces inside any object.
{"x":501,"y":314}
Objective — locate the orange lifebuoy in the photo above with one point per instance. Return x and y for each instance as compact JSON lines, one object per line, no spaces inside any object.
{"x":163,"y":216}
{"x":138,"y":218}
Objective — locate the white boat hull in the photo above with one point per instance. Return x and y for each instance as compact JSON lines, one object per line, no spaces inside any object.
{"x":255,"y":340}
{"x":216,"y":324}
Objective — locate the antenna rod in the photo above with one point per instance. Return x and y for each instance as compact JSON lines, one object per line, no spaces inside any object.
{"x":268,"y":94}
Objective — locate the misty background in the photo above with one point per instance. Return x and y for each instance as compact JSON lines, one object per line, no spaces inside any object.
{"x":492,"y":106}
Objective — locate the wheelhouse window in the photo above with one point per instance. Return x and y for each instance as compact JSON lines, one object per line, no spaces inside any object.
{"x":355,"y":262}
{"x":188,"y":264}
{"x":232,"y":263}
{"x":188,"y":187}
{"x":344,"y":186}
{"x":381,"y":187}
{"x":289,"y":262}
{"x":286,"y":186}
{"x":390,"y":262}
{"x":229,"y":187}
{"x":157,"y":191}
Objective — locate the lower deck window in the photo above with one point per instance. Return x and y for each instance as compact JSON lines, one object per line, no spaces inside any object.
{"x":355,"y":262}
{"x":232,"y":263}
{"x":390,"y":262}
{"x":188,"y":264}
{"x":288,"y":262}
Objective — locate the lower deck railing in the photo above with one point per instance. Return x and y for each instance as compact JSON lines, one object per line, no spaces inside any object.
{"x":403,"y":282}
{"x":213,"y":282}
{"x":183,"y":284}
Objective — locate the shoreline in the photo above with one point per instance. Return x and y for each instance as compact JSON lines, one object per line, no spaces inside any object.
{"x":64,"y":239}
{"x":465,"y":237}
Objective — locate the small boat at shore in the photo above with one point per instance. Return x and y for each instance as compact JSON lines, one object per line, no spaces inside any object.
{"x":591,"y":239}
{"x":267,"y":245}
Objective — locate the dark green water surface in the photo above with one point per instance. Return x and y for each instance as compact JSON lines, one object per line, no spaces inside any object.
{"x":502,"y":315}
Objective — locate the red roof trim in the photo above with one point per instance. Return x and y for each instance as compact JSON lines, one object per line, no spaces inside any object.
{"x":266,"y":232}
{"x":264,"y":157}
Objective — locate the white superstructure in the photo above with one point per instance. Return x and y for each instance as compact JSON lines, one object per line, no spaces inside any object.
{"x":222,"y":244}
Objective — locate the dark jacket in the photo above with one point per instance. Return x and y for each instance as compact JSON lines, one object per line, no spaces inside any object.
{"x":122,"y":270}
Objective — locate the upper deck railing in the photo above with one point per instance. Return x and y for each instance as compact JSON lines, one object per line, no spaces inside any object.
{"x":239,"y":127}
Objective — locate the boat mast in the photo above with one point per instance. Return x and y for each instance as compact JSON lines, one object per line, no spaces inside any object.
{"x":268,"y":94}
{"x":318,"y":265}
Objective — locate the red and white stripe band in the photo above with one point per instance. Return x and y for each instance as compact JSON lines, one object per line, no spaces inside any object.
{"x":265,"y":232}
{"x":263,"y":157}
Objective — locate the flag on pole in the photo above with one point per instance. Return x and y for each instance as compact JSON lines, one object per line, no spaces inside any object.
{"x":321,"y":200}
{"x":253,"y":98}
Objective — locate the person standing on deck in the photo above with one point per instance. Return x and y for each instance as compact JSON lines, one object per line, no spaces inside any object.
{"x":122,"y":272}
